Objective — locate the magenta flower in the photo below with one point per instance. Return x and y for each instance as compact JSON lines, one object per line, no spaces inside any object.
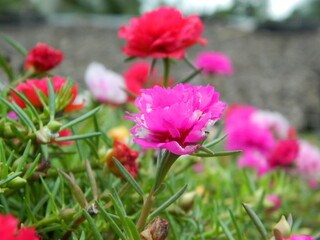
{"x":175,"y":118}
{"x":298,"y":237}
{"x":214,"y":63}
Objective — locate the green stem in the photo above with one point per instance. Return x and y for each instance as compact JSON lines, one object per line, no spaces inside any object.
{"x":189,"y":63}
{"x":166,"y":68}
{"x":163,"y":167}
{"x":26,"y":75}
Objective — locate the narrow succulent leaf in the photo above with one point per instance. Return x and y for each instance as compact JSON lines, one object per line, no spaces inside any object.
{"x":192,"y":76}
{"x":15,"y":44}
{"x":6,"y":68}
{"x":129,"y":59}
{"x":51,"y":99}
{"x":106,"y":139}
{"x":216,"y":154}
{"x":134,"y":231}
{"x":226,"y":230}
{"x":93,"y":147}
{"x":113,"y":224}
{"x":52,"y":205}
{"x":32,"y":168}
{"x":44,"y":151}
{"x":219,"y":131}
{"x":126,"y":175}
{"x":24,"y":157}
{"x":152,"y":66}
{"x":235,"y":224}
{"x":169,"y":201}
{"x":27,"y":102}
{"x":11,"y":177}
{"x":2,"y":153}
{"x":216,"y":141}
{"x":93,"y":226}
{"x":189,"y":62}
{"x":77,"y":137}
{"x":80,"y":119}
{"x":257,"y":222}
{"x":92,"y":180}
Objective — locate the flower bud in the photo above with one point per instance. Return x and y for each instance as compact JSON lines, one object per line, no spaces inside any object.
{"x":125,"y":156}
{"x":282,"y":229}
{"x":67,"y":214}
{"x":43,"y":135}
{"x":272,"y":202}
{"x":187,"y":200}
{"x":157,"y":229}
{"x":17,"y":182}
{"x":54,"y":126}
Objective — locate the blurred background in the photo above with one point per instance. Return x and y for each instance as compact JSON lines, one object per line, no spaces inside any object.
{"x":274,"y":45}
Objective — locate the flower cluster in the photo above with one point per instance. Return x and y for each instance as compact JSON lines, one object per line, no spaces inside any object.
{"x":9,"y":229}
{"x":175,"y":118}
{"x":268,"y":141}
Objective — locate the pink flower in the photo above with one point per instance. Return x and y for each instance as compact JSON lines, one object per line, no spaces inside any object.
{"x":273,"y":201}
{"x":298,"y":237}
{"x":105,"y":85}
{"x":307,"y":162}
{"x":284,"y":153}
{"x":42,"y":58}
{"x":214,"y":63}
{"x":9,"y":229}
{"x":273,"y":121}
{"x":254,"y":159}
{"x":161,"y":33}
{"x":175,"y":118}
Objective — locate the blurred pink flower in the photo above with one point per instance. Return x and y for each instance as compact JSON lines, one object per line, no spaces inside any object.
{"x":105,"y":85}
{"x":214,"y":63}
{"x":254,"y":159}
{"x":298,"y":237}
{"x":273,"y":201}
{"x":273,"y":121}
{"x":284,"y":153}
{"x":175,"y":118}
{"x":308,"y":161}
{"x":12,"y":115}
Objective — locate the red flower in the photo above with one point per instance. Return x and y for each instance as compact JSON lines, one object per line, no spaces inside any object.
{"x":284,"y":153}
{"x":137,"y":77}
{"x":42,"y":58}
{"x":9,"y":230}
{"x":125,"y":156}
{"x":161,"y":33}
{"x":63,"y":133}
{"x":28,"y":89}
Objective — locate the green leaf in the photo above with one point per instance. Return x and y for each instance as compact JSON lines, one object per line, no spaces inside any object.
{"x":24,"y":157}
{"x":77,"y":137}
{"x":92,"y":180}
{"x":216,"y":154}
{"x":192,"y":75}
{"x":239,"y":235}
{"x":2,"y":153}
{"x":51,"y":99}
{"x":6,"y":68}
{"x":225,"y":230}
{"x":169,"y":201}
{"x":80,"y":119}
{"x":27,"y":102}
{"x":8,"y":179}
{"x":126,"y":175}
{"x":52,"y":206}
{"x":257,"y":222}
{"x":15,"y":45}
{"x":216,"y":141}
{"x":107,"y":217}
{"x":32,"y":168}
{"x":93,"y":226}
{"x":129,"y":59}
{"x":134,"y":231}
{"x":17,"y":110}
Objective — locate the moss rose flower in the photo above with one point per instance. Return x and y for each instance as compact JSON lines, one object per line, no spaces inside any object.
{"x":42,"y":58}
{"x":161,"y":33}
{"x":58,"y":83}
{"x":175,"y":118}
{"x":10,"y":231}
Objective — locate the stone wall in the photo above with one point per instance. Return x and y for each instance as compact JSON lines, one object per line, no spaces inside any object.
{"x":276,"y":71}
